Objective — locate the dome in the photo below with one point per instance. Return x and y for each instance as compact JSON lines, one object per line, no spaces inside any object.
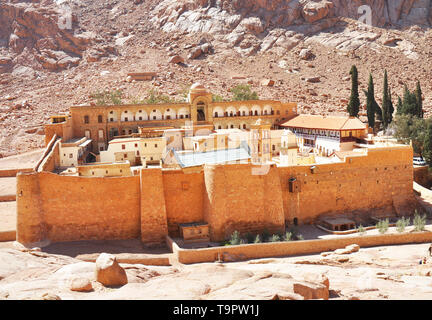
{"x":198,"y":88}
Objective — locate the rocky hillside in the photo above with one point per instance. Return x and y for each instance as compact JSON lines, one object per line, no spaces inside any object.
{"x":54,"y":54}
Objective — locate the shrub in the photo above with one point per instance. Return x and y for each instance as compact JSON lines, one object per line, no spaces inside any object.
{"x":361,"y":230}
{"x":217,"y":98}
{"x":419,"y":222}
{"x":383,"y":226}
{"x":235,"y":238}
{"x":257,"y":239}
{"x":155,"y":97}
{"x":401,"y":224}
{"x":288,"y":236}
{"x":300,"y":237}
{"x":104,"y":98}
{"x":243,"y":92}
{"x":275,"y":238}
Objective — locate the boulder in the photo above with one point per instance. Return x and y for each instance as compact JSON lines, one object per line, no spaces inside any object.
{"x":109,"y":272}
{"x":315,"y":11}
{"x":267,"y":83}
{"x":176,"y":59}
{"x":306,"y":54}
{"x":81,"y":285}
{"x":253,"y":25}
{"x":206,"y":48}
{"x":309,"y":290}
{"x":195,"y":53}
{"x":313,"y":80}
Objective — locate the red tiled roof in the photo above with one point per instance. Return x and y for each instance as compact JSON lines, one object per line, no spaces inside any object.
{"x":325,"y":123}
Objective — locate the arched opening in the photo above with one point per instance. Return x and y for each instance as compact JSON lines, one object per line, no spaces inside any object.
{"x":201,"y":114}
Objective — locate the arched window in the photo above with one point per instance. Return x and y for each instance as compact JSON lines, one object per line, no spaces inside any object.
{"x":100,"y":119}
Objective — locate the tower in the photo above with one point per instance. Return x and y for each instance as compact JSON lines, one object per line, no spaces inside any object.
{"x":261,"y":142}
{"x":288,"y":149}
{"x":200,"y":99}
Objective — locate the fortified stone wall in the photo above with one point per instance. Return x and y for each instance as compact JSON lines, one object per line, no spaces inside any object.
{"x":227,"y":197}
{"x":184,"y":195}
{"x":380,"y":182}
{"x":239,"y":200}
{"x":61,"y":208}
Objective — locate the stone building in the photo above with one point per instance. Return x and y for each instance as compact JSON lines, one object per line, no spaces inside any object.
{"x":327,"y":134}
{"x":101,"y":124}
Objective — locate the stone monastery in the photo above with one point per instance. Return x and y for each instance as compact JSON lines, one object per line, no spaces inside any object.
{"x":148,"y":171}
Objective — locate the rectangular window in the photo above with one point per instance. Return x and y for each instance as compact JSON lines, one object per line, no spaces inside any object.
{"x":70,"y":155}
{"x":101,"y":134}
{"x":123,"y":147}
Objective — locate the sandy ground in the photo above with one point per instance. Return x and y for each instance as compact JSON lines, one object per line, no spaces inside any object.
{"x":7,"y":186}
{"x":25,"y":160}
{"x":7,"y":216}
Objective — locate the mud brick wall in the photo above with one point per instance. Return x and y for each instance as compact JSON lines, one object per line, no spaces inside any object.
{"x":377,"y":181}
{"x":184,"y":195}
{"x":153,"y":211}
{"x":236,"y":199}
{"x":59,"y":208}
{"x":227,"y":197}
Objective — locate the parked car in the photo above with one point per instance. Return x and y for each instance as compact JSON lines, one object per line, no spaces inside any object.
{"x":419,"y":161}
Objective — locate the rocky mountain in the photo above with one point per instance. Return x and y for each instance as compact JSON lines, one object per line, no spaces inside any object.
{"x":55,"y":54}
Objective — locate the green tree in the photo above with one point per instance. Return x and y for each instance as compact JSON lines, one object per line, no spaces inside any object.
{"x":354,"y":103}
{"x":371,"y":104}
{"x":386,"y":103}
{"x":104,"y":98}
{"x":410,"y":128}
{"x":427,"y":144}
{"x":419,"y":99}
{"x":391,"y":107}
{"x":243,"y":93}
{"x":409,"y":102}
{"x":399,"y":106}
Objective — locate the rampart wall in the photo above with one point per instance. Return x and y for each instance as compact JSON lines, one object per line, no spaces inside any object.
{"x":227,"y":197}
{"x":381,"y":182}
{"x":61,"y":208}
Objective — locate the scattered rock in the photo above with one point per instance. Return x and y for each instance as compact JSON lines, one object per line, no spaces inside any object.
{"x":176,"y":59}
{"x":313,"y":79}
{"x":196,"y":53}
{"x":306,"y":54}
{"x":109,"y":272}
{"x":48,"y":296}
{"x":267,"y":83}
{"x":81,"y":285}
{"x":318,"y":278}
{"x":310,"y":290}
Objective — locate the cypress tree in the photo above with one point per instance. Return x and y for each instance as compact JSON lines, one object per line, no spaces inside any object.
{"x":419,"y":100}
{"x":370,"y":102}
{"x":409,"y":103}
{"x":354,"y":103}
{"x":399,"y":107}
{"x":391,"y":107}
{"x":386,"y":109}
